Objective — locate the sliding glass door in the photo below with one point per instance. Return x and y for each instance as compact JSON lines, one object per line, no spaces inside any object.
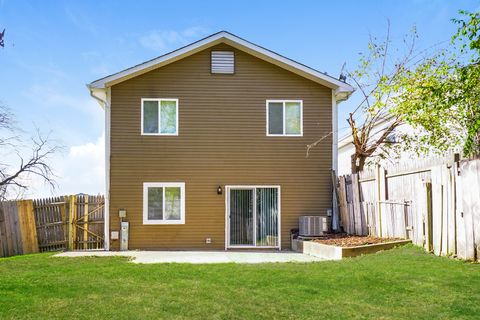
{"x":253,"y":216}
{"x":241,"y":217}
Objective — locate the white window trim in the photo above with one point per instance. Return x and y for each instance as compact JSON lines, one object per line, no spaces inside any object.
{"x":147,"y":185}
{"x":159,"y":100}
{"x":284,"y":134}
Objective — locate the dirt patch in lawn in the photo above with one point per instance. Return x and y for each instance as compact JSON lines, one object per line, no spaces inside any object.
{"x":344,"y":240}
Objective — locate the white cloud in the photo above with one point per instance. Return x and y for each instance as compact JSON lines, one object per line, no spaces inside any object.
{"x":195,"y":31}
{"x":160,"y":40}
{"x":83,"y":169}
{"x":80,"y":170}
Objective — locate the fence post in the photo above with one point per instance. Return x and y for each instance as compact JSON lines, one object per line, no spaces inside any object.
{"x":71,"y":222}
{"x":428,"y":217}
{"x":381,"y":184}
{"x":63,"y":217}
{"x":343,"y":205}
{"x":85,"y":223}
{"x":453,"y":206}
{"x":356,"y":204}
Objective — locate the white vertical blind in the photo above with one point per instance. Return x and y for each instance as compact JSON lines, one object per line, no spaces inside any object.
{"x":254,"y":217}
{"x":267,"y":216}
{"x":241,"y":217}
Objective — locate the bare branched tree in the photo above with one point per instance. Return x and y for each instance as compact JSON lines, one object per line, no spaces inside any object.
{"x":32,"y":160}
{"x":378,"y":79}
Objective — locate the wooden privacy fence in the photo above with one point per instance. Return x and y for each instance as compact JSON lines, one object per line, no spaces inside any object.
{"x":18,"y":234}
{"x":73,"y":222}
{"x":435,"y":203}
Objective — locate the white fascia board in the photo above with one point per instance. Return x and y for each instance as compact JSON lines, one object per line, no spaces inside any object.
{"x":234,"y":41}
{"x":287,"y":63}
{"x":98,"y":94}
{"x":342,"y":93}
{"x":157,"y":62}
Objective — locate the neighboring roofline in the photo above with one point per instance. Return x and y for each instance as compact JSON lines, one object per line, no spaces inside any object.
{"x":343,"y":90}
{"x":344,"y":141}
{"x":347,"y":138}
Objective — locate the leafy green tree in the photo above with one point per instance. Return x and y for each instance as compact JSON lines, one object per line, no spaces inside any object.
{"x":436,"y":92}
{"x":440,"y":97}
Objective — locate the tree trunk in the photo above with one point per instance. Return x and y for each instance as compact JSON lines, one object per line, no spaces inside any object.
{"x":361,"y":163}
{"x":353,"y":163}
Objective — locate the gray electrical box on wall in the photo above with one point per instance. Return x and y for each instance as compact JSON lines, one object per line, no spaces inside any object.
{"x":124,"y":236}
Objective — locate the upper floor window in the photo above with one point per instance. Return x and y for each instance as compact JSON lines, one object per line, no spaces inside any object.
{"x":160,"y":117}
{"x":284,"y":117}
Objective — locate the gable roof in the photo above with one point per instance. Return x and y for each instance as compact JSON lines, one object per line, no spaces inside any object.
{"x":343,"y":90}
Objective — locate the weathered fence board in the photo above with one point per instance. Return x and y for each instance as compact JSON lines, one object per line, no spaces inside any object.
{"x":471,"y":206}
{"x":476,"y":210}
{"x":13,"y":243}
{"x":342,"y":198}
{"x":17,"y":228}
{"x":356,"y":205}
{"x":433,"y":202}
{"x":460,"y":219}
{"x":89,"y":222}
{"x":437,"y":209}
{"x":28,"y":228}
{"x":451,"y":220}
{"x":51,"y":224}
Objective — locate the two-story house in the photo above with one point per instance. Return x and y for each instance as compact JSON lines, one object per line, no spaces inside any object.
{"x":206,"y":146}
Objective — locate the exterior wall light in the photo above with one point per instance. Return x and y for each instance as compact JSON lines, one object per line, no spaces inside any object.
{"x":219,"y":190}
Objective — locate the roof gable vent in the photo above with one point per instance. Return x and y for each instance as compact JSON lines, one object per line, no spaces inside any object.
{"x":223,"y":62}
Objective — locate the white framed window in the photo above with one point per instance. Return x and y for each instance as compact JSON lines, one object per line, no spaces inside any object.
{"x":164,"y":203}
{"x":159,"y":117}
{"x":285,"y":118}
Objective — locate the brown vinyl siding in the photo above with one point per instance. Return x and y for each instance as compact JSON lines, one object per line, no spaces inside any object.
{"x":222,"y":141}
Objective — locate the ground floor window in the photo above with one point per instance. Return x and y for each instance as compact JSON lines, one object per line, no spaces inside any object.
{"x":164,"y":203}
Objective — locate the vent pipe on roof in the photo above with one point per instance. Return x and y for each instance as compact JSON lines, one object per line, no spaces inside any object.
{"x":342,"y":76}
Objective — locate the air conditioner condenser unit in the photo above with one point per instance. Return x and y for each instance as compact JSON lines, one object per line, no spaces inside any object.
{"x":312,"y":226}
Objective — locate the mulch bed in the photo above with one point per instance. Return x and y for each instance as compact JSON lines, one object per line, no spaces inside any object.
{"x":344,"y":240}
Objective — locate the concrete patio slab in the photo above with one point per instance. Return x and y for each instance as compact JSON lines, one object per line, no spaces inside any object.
{"x":199,"y":257}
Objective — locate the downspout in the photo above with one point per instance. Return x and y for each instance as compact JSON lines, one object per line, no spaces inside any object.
{"x":105,"y":102}
{"x":338,"y":96}
{"x":335,"y":215}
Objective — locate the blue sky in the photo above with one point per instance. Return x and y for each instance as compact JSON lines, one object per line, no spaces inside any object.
{"x":53,"y":48}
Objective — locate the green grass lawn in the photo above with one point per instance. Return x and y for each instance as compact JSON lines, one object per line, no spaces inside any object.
{"x":401,"y":283}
